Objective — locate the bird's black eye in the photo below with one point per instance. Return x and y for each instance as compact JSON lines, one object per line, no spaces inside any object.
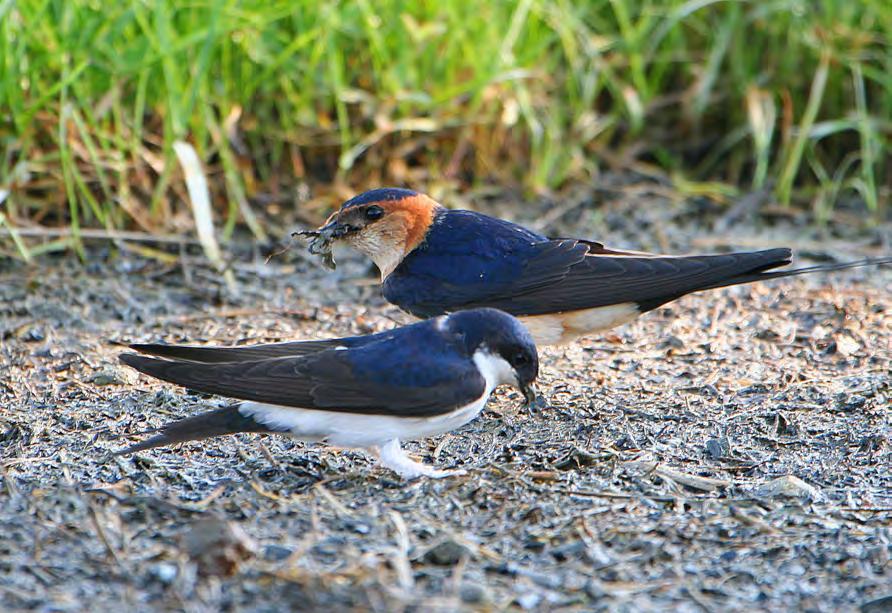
{"x":374,"y":212}
{"x":520,"y":358}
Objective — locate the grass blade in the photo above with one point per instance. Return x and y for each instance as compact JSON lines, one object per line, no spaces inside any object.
{"x":794,"y":158}
{"x":200,"y":201}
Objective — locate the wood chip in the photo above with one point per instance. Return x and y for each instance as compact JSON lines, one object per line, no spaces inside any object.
{"x":789,"y":486}
{"x":706,"y":484}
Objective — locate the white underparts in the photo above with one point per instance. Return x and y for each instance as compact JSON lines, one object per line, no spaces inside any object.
{"x":561,"y":328}
{"x":378,"y":434}
{"x":355,"y":429}
{"x":381,"y":434}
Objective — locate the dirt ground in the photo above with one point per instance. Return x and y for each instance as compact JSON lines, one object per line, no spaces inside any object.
{"x":731,"y":451}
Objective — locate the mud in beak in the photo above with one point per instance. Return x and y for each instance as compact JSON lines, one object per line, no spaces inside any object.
{"x":335,"y":230}
{"x":324,"y":236}
{"x":529,"y":393}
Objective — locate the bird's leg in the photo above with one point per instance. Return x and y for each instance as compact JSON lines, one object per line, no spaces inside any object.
{"x":392,"y":456}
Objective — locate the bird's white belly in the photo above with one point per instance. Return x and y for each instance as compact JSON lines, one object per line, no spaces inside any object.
{"x":560,"y":328}
{"x":357,"y":430}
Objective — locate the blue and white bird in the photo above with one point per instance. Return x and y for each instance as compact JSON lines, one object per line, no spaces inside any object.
{"x":366,"y":392}
{"x":434,"y":260}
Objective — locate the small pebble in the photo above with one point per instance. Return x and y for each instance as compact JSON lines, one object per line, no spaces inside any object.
{"x":164,"y":572}
{"x":357,"y":526}
{"x":276,"y":553}
{"x":529,"y":601}
{"x":446,"y":553}
{"x":846,"y":402}
{"x":216,"y":546}
{"x":551,"y":580}
{"x":717,"y":448}
{"x":568,"y":551}
{"x":105,"y":378}
{"x":595,"y":590}
{"x":473,"y":593}
{"x":34,"y":334}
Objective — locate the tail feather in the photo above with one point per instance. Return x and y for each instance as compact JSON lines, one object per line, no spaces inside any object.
{"x":227,"y":420}
{"x":747,"y":268}
{"x":762,"y":275}
{"x":701,"y":272}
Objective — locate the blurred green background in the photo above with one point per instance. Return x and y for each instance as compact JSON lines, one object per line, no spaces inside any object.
{"x":718,"y":97}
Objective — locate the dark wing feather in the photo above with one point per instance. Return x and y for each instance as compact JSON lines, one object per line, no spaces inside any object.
{"x":565,"y":275}
{"x":334,"y":380}
{"x":250,"y":353}
{"x":429,"y":283}
{"x":650,"y":281}
{"x":602,"y":280}
{"x":470,"y":260}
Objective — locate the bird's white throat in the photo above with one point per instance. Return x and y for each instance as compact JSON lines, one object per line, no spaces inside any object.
{"x":494,"y":368}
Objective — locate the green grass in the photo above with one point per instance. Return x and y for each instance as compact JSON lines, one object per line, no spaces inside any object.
{"x":793,"y":94}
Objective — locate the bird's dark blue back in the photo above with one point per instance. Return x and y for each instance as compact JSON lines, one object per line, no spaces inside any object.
{"x":463,"y":252}
{"x":419,"y":355}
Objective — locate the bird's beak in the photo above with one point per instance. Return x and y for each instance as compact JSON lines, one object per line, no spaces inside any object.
{"x":323,"y":236}
{"x":334,"y":229}
{"x":529,"y":393}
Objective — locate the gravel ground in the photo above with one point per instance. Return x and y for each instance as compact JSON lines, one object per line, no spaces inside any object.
{"x":729,"y":452}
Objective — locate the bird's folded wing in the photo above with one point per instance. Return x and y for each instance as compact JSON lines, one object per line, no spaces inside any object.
{"x":437,"y":282}
{"x":648,"y":281}
{"x":562,"y":275}
{"x":250,"y":353}
{"x":333,"y":380}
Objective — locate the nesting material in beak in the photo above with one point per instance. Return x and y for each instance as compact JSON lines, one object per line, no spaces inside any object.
{"x":322,"y":239}
{"x":529,"y":394}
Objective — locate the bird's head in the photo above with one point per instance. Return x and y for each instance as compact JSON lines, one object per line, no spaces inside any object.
{"x":385,"y":224}
{"x":501,"y":347}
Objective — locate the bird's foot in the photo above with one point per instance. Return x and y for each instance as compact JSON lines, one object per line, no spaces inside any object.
{"x":393,"y":457}
{"x":440,"y":474}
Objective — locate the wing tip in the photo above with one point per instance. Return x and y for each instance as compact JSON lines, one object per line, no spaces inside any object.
{"x":152,"y":366}
{"x":137,"y":361}
{"x":162,"y":350}
{"x":146,"y":347}
{"x":132,"y":359}
{"x":777,"y":257}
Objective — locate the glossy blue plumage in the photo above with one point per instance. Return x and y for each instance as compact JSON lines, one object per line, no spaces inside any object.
{"x":414,"y":356}
{"x":461,"y":249}
{"x":372,"y":391}
{"x":423,"y":369}
{"x":469,"y":260}
{"x":383,"y":194}
{"x":465,"y":256}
